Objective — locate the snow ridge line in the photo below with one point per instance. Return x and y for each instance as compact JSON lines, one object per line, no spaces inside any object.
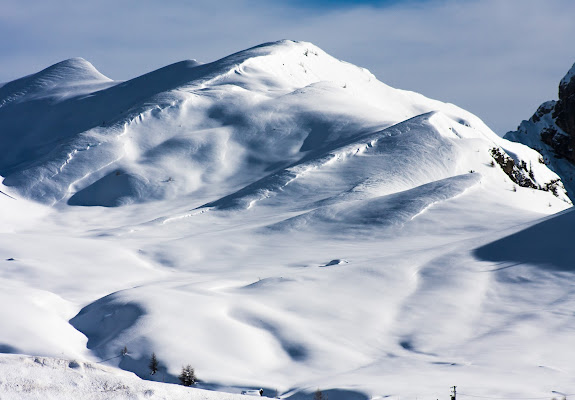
{"x":427,"y":207}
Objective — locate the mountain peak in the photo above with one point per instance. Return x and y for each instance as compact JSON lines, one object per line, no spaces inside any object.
{"x":284,"y":63}
{"x":72,"y":69}
{"x":566,"y":82}
{"x":73,"y":62}
{"x":282,"y":45}
{"x":70,"y":72}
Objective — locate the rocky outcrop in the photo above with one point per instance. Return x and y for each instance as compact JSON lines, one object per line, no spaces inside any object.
{"x":551,"y":131}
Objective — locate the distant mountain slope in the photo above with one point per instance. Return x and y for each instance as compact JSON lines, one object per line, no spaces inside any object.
{"x":551,"y":131}
{"x":207,"y":130}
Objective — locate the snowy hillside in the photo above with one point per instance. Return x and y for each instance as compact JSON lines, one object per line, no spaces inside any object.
{"x":278,"y":219}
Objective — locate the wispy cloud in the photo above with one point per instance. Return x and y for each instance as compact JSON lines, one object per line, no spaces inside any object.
{"x":499,"y":59}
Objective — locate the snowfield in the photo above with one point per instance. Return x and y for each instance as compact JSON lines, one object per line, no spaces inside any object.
{"x":278,"y":219}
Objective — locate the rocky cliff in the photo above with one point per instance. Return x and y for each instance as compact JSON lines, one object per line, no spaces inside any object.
{"x":551,"y":131}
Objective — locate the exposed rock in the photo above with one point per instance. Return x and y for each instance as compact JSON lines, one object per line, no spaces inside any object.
{"x":564,"y":115}
{"x":551,"y":131}
{"x":519,"y":173}
{"x":543,"y":109}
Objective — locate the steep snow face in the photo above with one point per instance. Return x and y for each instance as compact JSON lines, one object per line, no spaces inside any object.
{"x":551,"y":130}
{"x":278,"y":219}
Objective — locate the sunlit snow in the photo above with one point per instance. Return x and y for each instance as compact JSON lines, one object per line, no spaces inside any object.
{"x":278,"y":219}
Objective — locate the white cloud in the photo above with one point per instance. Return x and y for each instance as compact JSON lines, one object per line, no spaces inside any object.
{"x":499,"y":59}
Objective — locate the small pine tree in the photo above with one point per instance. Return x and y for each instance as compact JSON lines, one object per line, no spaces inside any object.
{"x":318,"y":395}
{"x":187,"y":377}
{"x":124,"y":351}
{"x":154,"y":364}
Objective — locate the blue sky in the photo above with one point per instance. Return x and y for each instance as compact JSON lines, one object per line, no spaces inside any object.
{"x":497,"y":58}
{"x":345,"y":3}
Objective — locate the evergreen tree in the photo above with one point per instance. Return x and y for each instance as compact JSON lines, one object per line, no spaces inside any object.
{"x":318,"y":395}
{"x":154,"y":364}
{"x":188,"y":377}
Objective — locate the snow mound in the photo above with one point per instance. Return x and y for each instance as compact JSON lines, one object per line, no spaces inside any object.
{"x":392,"y":210}
{"x":58,"y":77}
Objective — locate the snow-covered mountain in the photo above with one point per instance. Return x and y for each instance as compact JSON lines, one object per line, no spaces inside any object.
{"x":551,"y":131}
{"x":277,"y":219}
{"x":186,"y":128}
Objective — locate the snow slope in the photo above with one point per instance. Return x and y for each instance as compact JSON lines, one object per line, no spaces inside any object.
{"x":277,"y":219}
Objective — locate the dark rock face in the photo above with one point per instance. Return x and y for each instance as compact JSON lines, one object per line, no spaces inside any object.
{"x":543,"y":109}
{"x":564,"y":115}
{"x":562,"y":144}
{"x":521,"y":174}
{"x":551,"y":131}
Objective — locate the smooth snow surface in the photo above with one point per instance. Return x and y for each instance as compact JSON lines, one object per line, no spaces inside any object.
{"x":278,"y":219}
